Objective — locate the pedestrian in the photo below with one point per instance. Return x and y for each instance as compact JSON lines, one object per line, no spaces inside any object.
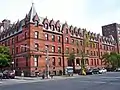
{"x":43,"y":76}
{"x":22,"y":74}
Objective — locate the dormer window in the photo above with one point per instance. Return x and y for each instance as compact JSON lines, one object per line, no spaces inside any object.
{"x":46,"y":26}
{"x":58,"y":28}
{"x":66,"y":31}
{"x":72,"y":32}
{"x":36,"y":23}
{"x":52,"y":27}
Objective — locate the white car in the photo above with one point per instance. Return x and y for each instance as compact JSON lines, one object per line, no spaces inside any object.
{"x":102,"y":71}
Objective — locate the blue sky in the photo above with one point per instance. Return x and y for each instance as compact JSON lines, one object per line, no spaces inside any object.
{"x":90,"y":14}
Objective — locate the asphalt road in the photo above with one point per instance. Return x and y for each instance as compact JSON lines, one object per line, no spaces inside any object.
{"x":109,"y":81}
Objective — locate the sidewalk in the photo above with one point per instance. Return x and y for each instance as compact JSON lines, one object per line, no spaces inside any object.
{"x":40,"y":78}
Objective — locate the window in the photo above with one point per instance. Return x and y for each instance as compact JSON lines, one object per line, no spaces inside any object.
{"x":59,"y":39}
{"x":8,"y":42}
{"x":36,"y":61}
{"x":46,"y":47}
{"x":67,"y":40}
{"x":36,"y":34}
{"x":53,"y":37}
{"x":101,"y":53}
{"x":25,"y":35}
{"x":12,"y":40}
{"x":16,"y":63}
{"x":77,"y":43}
{"x":53,"y":61}
{"x":66,"y":31}
{"x":53,"y":48}
{"x":97,"y":61}
{"x":94,"y":53}
{"x":72,"y":41}
{"x":5,"y":43}
{"x":25,"y":47}
{"x":96,"y":45}
{"x":87,"y":52}
{"x":46,"y":37}
{"x":16,"y":49}
{"x":58,"y":28}
{"x":67,"y":50}
{"x":73,"y":50}
{"x":77,"y":51}
{"x":26,"y":61}
{"x":91,"y":53}
{"x":59,"y":61}
{"x":12,"y":50}
{"x":36,"y":46}
{"x":52,"y":27}
{"x":36,"y":23}
{"x":91,"y":61}
{"x":46,"y":26}
{"x":17,"y":39}
{"x":104,"y":47}
{"x":97,"y":53}
{"x":59,"y":49}
{"x":81,"y":43}
{"x":87,"y":61}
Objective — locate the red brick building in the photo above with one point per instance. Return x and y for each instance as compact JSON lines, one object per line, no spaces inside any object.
{"x":29,"y":38}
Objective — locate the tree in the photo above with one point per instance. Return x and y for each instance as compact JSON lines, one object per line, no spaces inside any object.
{"x":5,"y":56}
{"x":111,"y":59}
{"x":71,"y":61}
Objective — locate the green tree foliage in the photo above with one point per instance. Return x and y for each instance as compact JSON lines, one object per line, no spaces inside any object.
{"x":111,"y":59}
{"x":5,"y":56}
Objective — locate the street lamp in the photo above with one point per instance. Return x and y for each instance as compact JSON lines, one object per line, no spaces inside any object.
{"x":12,"y":65}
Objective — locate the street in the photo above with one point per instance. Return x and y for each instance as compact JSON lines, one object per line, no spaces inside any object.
{"x":108,"y":81}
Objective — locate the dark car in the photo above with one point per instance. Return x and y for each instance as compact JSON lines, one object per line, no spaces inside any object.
{"x":95,"y":71}
{"x":9,"y":74}
{"x":89,"y":72}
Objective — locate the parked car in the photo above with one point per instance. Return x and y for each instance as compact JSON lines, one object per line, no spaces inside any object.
{"x":69,"y":71}
{"x":8,"y":74}
{"x":117,"y":70}
{"x":89,"y":72}
{"x":95,"y":71}
{"x":103,"y":70}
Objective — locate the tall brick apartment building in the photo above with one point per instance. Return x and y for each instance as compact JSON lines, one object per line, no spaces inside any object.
{"x":29,"y":38}
{"x":114,"y":30}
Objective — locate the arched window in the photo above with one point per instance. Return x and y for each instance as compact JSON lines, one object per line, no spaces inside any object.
{"x":36,"y":46}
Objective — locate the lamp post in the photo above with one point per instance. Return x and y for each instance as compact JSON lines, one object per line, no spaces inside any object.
{"x":12,"y":65}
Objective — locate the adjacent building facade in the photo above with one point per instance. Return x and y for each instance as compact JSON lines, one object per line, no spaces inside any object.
{"x":34,"y":42}
{"x":114,"y":30}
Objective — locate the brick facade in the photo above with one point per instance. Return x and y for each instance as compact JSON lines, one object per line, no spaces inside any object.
{"x":28,"y":41}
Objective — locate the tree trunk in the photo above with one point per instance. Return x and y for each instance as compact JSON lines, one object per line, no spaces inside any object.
{"x":73,"y":66}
